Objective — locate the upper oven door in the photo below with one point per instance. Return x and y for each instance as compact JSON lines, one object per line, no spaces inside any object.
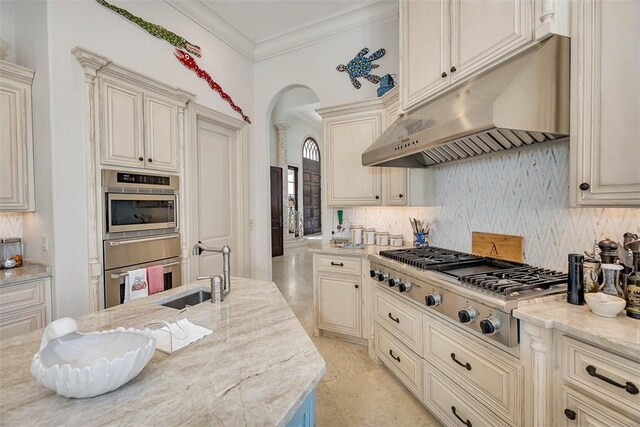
{"x":138,"y":212}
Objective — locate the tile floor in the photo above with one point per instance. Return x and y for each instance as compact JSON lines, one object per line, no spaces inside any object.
{"x":354,"y":391}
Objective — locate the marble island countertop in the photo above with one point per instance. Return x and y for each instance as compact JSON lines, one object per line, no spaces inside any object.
{"x":257,"y":367}
{"x":30,"y":270}
{"x":620,"y":334}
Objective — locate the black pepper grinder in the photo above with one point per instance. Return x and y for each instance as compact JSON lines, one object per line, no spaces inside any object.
{"x":575,"y":286}
{"x":608,"y":251}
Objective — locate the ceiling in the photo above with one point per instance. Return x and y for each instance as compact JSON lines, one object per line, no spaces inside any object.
{"x":261,"y":20}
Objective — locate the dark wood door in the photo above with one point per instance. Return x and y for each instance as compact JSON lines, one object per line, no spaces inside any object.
{"x":277,"y":231}
{"x":312,"y":197}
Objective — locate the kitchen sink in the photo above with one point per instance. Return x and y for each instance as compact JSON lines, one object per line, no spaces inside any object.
{"x":181,"y":301}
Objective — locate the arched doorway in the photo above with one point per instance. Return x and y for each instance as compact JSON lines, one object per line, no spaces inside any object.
{"x":311,"y":187}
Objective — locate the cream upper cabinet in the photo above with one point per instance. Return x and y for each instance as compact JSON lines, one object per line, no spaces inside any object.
{"x":160,"y":132}
{"x":482,"y":32}
{"x":424,"y":55}
{"x":395,"y":183}
{"x":139,"y":127}
{"x":605,"y":103}
{"x":16,"y":139}
{"x":348,"y":183}
{"x":122,"y":132}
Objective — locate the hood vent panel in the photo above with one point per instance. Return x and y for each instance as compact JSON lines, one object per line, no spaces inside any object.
{"x":522,"y":102}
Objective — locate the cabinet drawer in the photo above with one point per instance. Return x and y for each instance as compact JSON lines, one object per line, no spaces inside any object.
{"x":21,"y":295}
{"x":402,"y":320}
{"x":451,"y":404}
{"x":405,"y":364}
{"x":489,"y":374}
{"x":338,"y":264}
{"x":589,"y":369}
{"x":22,"y":322}
{"x":578,"y":410}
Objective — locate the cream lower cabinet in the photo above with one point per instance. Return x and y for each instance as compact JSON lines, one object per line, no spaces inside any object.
{"x":16,"y":139}
{"x":24,"y":307}
{"x":605,"y":103}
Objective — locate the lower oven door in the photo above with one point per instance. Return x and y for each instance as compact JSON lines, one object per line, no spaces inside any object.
{"x":114,"y":279}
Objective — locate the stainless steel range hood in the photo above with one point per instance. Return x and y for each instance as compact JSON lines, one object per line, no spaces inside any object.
{"x":522,"y":102}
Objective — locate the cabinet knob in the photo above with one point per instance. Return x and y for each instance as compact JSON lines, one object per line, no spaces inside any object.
{"x":444,"y":74}
{"x":584,"y":186}
{"x":453,"y":69}
{"x":357,"y":286}
{"x":149,"y":160}
{"x":377,"y":197}
{"x":141,"y":158}
{"x":570,"y":414}
{"x":401,"y":195}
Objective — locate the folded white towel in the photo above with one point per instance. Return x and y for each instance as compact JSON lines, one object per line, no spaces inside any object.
{"x":135,"y":284}
{"x":172,"y":338}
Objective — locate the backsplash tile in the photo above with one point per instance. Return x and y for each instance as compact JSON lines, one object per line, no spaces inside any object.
{"x":521,"y":192}
{"x":10,"y":225}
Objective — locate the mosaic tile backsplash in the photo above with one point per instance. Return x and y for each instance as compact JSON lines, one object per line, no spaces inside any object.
{"x":522,"y":192}
{"x":10,"y":225}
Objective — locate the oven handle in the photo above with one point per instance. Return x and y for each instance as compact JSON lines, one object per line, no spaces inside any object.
{"x":119,"y":275}
{"x":153,"y":239}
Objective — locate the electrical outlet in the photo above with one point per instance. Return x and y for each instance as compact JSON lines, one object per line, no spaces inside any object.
{"x":252,"y":225}
{"x":45,"y":243}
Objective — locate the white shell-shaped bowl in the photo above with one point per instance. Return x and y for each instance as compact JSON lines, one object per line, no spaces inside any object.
{"x":604,"y":305}
{"x":90,"y":364}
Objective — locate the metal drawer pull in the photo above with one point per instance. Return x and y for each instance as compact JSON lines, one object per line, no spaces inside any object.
{"x":467,"y":423}
{"x":464,"y":365}
{"x":397,"y":358}
{"x":119,"y":275}
{"x":630,"y":387}
{"x":570,"y":414}
{"x":395,"y":319}
{"x":337,"y":264}
{"x":152,"y":239}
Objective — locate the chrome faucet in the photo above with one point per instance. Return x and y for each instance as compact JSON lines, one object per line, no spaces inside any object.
{"x":200,"y":247}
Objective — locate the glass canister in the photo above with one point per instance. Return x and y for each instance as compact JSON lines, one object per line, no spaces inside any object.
{"x":356,"y":234}
{"x":611,"y":280}
{"x":10,"y":252}
{"x":382,"y":238}
{"x":591,"y":271}
{"x":369,"y":236}
{"x":396,"y":240}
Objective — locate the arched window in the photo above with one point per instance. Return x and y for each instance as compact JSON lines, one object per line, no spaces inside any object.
{"x":310,"y":150}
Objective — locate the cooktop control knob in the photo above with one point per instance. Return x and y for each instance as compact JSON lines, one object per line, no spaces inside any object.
{"x":433,"y":300}
{"x":405,"y":287}
{"x":382,"y":277}
{"x":490,"y":325}
{"x":393,"y":282}
{"x":373,"y":273}
{"x":468,"y":315}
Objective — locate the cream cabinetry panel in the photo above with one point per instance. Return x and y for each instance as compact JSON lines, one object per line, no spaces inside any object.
{"x":581,"y":411}
{"x":404,"y":321}
{"x":395,"y":186}
{"x":483,"y":32}
{"x":122,"y":132}
{"x":21,"y":322}
{"x":24,"y":307}
{"x":348,"y":183}
{"x":338,"y":302}
{"x":160,"y":132}
{"x":425,"y":49}
{"x":605,"y":103}
{"x":400,"y":360}
{"x":16,"y":139}
{"x":338,"y":264}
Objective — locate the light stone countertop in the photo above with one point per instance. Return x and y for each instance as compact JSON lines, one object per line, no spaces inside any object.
{"x":328,"y":249}
{"x":620,"y":334}
{"x":256,"y":369}
{"x":30,"y":270}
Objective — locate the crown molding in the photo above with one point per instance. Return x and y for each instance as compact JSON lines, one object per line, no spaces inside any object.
{"x":206,"y":18}
{"x":297,"y":38}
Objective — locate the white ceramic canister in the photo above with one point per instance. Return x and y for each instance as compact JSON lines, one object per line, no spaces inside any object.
{"x":382,"y":238}
{"x":369,"y":236}
{"x":356,"y":234}
{"x":396,"y":240}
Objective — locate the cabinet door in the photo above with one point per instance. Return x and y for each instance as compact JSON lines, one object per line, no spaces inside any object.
{"x":424,"y":49}
{"x":605,"y":95}
{"x":16,"y":147}
{"x":580,"y":411}
{"x":21,"y":322}
{"x":160,"y":133}
{"x":348,"y":182}
{"x":338,"y":304}
{"x":121,"y":124}
{"x":484,"y":32}
{"x":395,"y":186}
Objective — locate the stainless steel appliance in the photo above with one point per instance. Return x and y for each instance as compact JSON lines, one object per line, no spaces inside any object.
{"x":523,"y":101}
{"x":477,"y":292}
{"x":123,"y":255}
{"x":138,"y":204}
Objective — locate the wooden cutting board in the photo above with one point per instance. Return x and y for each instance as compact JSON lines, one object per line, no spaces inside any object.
{"x":501,"y":246}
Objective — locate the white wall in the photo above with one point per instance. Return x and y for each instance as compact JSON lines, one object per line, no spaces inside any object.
{"x":312,"y":67}
{"x":88,"y":24}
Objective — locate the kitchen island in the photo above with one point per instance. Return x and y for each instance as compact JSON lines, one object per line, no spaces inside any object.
{"x":258,"y":367}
